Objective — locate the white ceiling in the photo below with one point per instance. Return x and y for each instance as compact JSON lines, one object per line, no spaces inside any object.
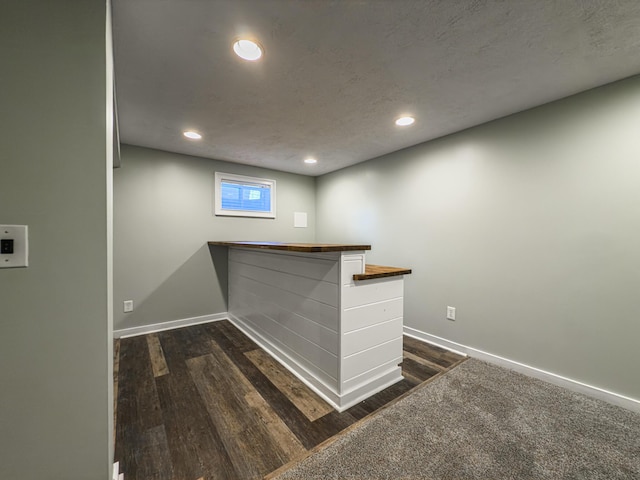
{"x":336,"y":74}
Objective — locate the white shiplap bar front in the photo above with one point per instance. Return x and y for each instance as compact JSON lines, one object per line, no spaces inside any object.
{"x":341,"y":337}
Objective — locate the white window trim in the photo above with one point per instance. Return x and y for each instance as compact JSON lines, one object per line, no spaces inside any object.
{"x":219,"y":211}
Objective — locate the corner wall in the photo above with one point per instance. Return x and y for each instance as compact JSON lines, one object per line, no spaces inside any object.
{"x":54,"y":317}
{"x":163,"y":220}
{"x":528,"y":225}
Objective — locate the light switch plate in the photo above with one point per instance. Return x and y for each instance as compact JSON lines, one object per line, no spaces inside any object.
{"x":20,"y":255}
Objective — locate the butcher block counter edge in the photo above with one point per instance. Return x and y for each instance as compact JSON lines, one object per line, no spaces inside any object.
{"x":379,"y":271}
{"x":294,"y":247}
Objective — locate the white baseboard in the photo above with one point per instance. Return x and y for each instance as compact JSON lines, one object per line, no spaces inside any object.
{"x":573,"y":385}
{"x":159,"y":327}
{"x":378,"y":384}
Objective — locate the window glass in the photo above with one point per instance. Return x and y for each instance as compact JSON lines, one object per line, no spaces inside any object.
{"x":237,"y":195}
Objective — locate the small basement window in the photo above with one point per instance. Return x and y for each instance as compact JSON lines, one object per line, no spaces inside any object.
{"x":241,"y":196}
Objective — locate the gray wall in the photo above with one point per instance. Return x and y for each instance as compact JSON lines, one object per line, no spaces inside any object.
{"x":163,"y":219}
{"x":529,"y":225}
{"x":54,"y":325}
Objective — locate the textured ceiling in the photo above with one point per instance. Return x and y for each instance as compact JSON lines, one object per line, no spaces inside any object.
{"x":336,"y":74}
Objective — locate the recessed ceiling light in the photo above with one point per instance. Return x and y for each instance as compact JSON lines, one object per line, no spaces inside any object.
{"x":192,"y":135}
{"x":247,"y":50}
{"x":405,"y":121}
{"x":310,"y":160}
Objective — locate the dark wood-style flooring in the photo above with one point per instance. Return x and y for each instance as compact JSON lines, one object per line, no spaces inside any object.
{"x":205,"y":402}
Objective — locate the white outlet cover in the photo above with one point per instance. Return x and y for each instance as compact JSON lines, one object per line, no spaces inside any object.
{"x":128,"y":306}
{"x":20,"y":255}
{"x":451,"y":313}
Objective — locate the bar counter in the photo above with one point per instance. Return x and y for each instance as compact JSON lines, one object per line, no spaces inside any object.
{"x":321,"y":312}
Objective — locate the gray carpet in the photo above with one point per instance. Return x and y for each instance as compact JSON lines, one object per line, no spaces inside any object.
{"x":480,"y":421}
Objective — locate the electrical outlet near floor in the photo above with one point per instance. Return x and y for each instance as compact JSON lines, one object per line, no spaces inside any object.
{"x":128,"y":306}
{"x":451,"y":313}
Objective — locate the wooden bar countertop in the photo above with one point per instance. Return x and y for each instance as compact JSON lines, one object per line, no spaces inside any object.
{"x":294,"y":247}
{"x":379,"y":271}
